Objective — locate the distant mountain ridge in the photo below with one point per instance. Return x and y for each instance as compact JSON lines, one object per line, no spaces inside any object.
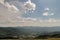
{"x":33,"y":28}
{"x":26,"y":31}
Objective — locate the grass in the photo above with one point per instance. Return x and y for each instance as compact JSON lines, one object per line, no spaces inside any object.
{"x":33,"y":39}
{"x":53,"y":38}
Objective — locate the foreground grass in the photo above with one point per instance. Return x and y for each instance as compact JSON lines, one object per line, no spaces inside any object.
{"x":53,"y":38}
{"x":23,"y":39}
{"x":33,"y":39}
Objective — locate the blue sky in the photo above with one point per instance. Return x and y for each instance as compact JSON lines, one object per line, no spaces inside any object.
{"x":14,"y":11}
{"x":53,"y":5}
{"x":45,"y":9}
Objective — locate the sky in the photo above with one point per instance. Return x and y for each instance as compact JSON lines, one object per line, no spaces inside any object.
{"x":42,"y":7}
{"x":40,"y":11}
{"x":48,"y":7}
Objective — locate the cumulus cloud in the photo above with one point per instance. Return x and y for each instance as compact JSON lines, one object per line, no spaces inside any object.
{"x":29,"y":6}
{"x":47,"y":9}
{"x":47,"y":14}
{"x":51,"y":14}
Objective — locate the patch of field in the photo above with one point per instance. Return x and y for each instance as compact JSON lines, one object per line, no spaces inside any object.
{"x":33,"y":39}
{"x":53,"y":38}
{"x":23,"y":39}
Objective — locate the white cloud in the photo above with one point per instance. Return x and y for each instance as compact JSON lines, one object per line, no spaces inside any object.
{"x":45,"y":14}
{"x":10,"y":7}
{"x":29,"y":6}
{"x":47,"y":9}
{"x":2,"y":2}
{"x":40,"y":20}
{"x":32,"y":19}
{"x":9,"y":12}
{"x":52,"y":20}
{"x":51,"y":14}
